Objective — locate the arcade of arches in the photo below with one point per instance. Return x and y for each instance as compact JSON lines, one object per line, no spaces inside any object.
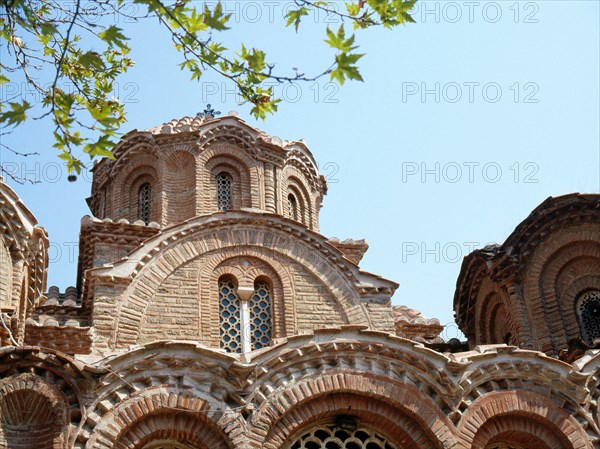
{"x":208,"y":312}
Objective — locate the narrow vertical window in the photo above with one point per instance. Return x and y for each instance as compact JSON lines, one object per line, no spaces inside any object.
{"x":224,"y":194}
{"x":588,"y":315}
{"x":292,"y":207}
{"x":145,"y":202}
{"x":229,"y":316}
{"x":260,"y":316}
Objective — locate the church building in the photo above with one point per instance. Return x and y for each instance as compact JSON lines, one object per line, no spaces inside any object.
{"x":209,"y":312}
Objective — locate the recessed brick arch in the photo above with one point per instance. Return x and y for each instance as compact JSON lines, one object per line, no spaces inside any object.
{"x":268,"y":243}
{"x":522,"y":434}
{"x":157,"y":414}
{"x":226,"y":157}
{"x":493,"y":321}
{"x":246,"y":269}
{"x":33,"y":414}
{"x":142,"y":167}
{"x":528,"y":413}
{"x":572,"y":291}
{"x":184,"y":428}
{"x":295,"y":182}
{"x":410,"y":419}
{"x":553,"y":266}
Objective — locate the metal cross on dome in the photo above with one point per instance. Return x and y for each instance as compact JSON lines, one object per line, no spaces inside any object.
{"x":209,"y":112}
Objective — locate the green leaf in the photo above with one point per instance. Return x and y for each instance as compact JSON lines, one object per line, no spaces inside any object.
{"x":216,"y":20}
{"x":48,"y":29}
{"x":295,"y":17}
{"x":91,"y":60}
{"x":338,"y":40}
{"x":102,"y":147}
{"x":16,"y":115}
{"x":346,"y":68}
{"x":113,"y":37}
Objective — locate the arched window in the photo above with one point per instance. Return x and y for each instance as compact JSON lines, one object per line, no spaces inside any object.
{"x":260,"y":316}
{"x":588,"y":315}
{"x":224,"y":191}
{"x":292,"y":207}
{"x":229,"y":316}
{"x":331,"y":436}
{"x":145,"y":202}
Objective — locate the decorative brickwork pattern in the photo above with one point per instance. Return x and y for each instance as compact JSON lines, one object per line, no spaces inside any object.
{"x":209,"y":313}
{"x":525,"y":292}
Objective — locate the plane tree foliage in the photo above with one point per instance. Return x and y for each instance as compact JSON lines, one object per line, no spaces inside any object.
{"x":53,"y":43}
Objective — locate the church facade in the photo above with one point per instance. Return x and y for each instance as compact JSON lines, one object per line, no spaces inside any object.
{"x":209,"y":313}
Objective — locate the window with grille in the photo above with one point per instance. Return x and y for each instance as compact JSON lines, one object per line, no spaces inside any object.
{"x":588,"y":315}
{"x":229,"y":317}
{"x":145,"y":202}
{"x":236,"y":315}
{"x":292,"y":207}
{"x":333,"y":437}
{"x":224,"y":191}
{"x":260,"y":316}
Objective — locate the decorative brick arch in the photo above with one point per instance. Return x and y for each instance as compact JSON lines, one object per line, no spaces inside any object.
{"x":33,"y":413}
{"x":300,"y":158}
{"x":294,"y":181}
{"x":159,"y":414}
{"x":522,"y":430}
{"x":238,"y":134}
{"x":55,"y":373}
{"x":406,"y":416}
{"x":493,"y":319}
{"x":495,"y":414}
{"x":141,"y":167}
{"x":226,"y":157}
{"x":23,"y":261}
{"x":474,"y":273}
{"x":550,"y":269}
{"x":241,"y":239}
{"x":131,"y":154}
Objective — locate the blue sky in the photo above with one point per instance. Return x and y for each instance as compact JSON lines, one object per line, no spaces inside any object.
{"x":466,"y":121}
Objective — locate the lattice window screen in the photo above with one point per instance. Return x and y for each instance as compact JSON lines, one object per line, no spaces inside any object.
{"x":229,"y":317}
{"x":145,"y":202}
{"x":224,"y":191}
{"x":260,"y":316}
{"x":332,"y":437}
{"x":588,"y":315}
